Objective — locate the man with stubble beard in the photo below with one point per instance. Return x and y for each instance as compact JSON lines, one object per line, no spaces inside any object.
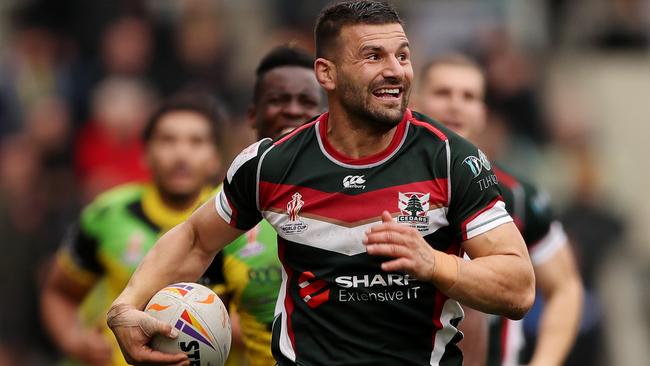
{"x":372,"y":204}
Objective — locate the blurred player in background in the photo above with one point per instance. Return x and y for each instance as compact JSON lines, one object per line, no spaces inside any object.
{"x":452,"y":91}
{"x":286,"y":95}
{"x":117,"y":229}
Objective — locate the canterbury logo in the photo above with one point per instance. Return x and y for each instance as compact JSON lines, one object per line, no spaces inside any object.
{"x":354,"y":181}
{"x":310,"y":290}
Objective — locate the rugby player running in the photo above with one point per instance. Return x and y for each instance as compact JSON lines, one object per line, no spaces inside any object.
{"x":371,"y":273}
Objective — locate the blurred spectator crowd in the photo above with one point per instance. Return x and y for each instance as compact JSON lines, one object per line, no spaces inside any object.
{"x":79,"y":78}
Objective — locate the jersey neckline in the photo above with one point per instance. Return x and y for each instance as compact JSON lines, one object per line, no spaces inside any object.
{"x":164,"y":216}
{"x":367,"y":161}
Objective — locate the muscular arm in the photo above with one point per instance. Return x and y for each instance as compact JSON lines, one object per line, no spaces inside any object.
{"x":60,"y":301}
{"x":560,"y":284}
{"x":499,"y":279}
{"x":181,"y":254}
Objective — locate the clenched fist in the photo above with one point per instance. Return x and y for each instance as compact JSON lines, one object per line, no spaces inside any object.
{"x":410,"y":253}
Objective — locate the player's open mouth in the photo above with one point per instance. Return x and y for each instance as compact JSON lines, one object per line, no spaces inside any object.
{"x":388,"y":93}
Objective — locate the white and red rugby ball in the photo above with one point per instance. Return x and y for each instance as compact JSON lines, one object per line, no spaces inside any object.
{"x":201,"y":319}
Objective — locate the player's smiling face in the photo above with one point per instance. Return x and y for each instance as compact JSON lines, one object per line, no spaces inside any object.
{"x":374,"y":72}
{"x":453,"y":94}
{"x":289,"y":96}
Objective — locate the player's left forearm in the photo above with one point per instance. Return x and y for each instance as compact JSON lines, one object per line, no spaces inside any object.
{"x":562,"y":290}
{"x":559,"y":325}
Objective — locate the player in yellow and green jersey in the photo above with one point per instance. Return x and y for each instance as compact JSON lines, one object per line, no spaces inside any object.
{"x":286,"y":95}
{"x":117,"y":229}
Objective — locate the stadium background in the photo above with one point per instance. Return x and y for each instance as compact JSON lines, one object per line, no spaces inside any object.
{"x":569,"y":84}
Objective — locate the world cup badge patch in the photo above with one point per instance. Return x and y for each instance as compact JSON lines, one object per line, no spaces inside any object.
{"x":414,"y":207}
{"x":294,"y":224}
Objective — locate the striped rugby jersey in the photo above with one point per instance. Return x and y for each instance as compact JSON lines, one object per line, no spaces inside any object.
{"x":336,"y":306}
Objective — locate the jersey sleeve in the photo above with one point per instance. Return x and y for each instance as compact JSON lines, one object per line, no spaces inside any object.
{"x":543,"y":234}
{"x":538,"y":214}
{"x":475,"y":203}
{"x":78,"y":254}
{"x":237,"y":201}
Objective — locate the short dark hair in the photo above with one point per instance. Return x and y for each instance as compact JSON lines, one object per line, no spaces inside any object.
{"x":451,"y":59}
{"x":203,"y":104}
{"x":337,"y":15}
{"x":286,"y":55}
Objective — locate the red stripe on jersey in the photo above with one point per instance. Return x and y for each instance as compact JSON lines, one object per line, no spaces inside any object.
{"x":440,"y":298}
{"x":508,"y":180}
{"x":296,"y":131}
{"x":475,"y":215}
{"x":430,"y":127}
{"x":309,"y":287}
{"x":394,"y":144}
{"x":504,"y":337}
{"x":349,"y":208}
{"x":288,"y":301}
{"x":438,"y":303}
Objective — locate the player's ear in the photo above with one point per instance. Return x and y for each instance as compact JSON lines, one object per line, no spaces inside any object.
{"x":325,"y":71}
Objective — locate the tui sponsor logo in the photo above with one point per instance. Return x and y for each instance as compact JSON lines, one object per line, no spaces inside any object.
{"x":477,"y":164}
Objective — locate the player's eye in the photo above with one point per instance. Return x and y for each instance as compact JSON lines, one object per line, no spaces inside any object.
{"x":372,"y":56}
{"x":197,"y":140}
{"x":442,"y":92}
{"x":470,"y":96}
{"x":166,"y":139}
{"x":308,"y":102}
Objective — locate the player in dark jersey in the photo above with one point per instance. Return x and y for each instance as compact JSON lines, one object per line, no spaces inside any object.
{"x":116,"y":230}
{"x":372,"y":204}
{"x":286,"y":95}
{"x":451,"y":89}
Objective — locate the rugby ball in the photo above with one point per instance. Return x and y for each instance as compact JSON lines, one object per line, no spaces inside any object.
{"x":201,"y":319}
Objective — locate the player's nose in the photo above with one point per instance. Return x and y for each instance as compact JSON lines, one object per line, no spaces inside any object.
{"x":294,"y":109}
{"x":393,"y":69}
